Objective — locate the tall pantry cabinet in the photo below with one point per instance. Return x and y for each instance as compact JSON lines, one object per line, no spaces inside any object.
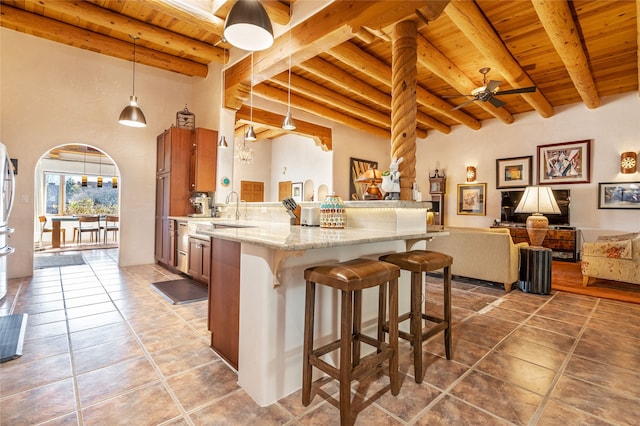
{"x":185,"y":163}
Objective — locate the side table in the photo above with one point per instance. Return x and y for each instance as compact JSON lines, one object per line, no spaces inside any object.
{"x":535,"y":270}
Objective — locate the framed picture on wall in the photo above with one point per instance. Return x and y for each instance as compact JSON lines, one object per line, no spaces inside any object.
{"x":619,"y":195}
{"x":357,"y":167}
{"x":563,"y":163}
{"x":515,"y":172}
{"x":471,"y":198}
{"x":296,"y":191}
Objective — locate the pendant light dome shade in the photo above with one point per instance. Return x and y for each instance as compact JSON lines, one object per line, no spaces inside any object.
{"x":132,"y":115}
{"x":288,"y":123}
{"x":248,"y":26}
{"x":251,"y":134}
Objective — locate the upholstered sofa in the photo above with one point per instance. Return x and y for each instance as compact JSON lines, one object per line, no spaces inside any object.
{"x":483,"y":253}
{"x":614,"y":258}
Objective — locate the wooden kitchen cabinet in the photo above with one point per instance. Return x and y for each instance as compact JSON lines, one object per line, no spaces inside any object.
{"x":172,"y":189}
{"x":204,"y":157}
{"x":199,"y":259}
{"x":224,"y":299}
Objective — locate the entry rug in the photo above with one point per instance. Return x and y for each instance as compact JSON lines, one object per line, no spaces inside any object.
{"x":181,"y":291}
{"x":57,"y":260}
{"x":12,"y":328}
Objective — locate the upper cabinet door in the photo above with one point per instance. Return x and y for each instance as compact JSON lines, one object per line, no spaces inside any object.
{"x":204,"y":157}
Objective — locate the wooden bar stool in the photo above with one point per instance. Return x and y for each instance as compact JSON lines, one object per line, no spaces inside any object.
{"x":351,"y":278}
{"x":419,"y":262}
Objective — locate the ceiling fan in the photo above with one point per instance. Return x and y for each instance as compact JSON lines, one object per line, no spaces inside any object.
{"x":488,"y":91}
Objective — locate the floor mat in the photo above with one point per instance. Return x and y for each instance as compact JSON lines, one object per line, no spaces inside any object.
{"x":12,"y":328}
{"x":57,"y":260}
{"x":182,"y":291}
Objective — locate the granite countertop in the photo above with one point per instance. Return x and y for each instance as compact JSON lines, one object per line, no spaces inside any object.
{"x":283,"y":236}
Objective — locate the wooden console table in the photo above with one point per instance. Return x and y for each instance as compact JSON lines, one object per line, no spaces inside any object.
{"x":563,"y":242}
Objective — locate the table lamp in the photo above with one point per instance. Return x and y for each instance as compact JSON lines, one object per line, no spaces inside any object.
{"x":373,"y":177}
{"x":538,"y":200}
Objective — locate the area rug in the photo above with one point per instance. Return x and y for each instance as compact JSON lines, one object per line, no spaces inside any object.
{"x":566,"y":276}
{"x":12,"y":329}
{"x":57,"y":260}
{"x":181,"y":291}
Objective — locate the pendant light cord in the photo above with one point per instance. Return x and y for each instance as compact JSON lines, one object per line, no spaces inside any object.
{"x":289,"y":91}
{"x":251,"y":92}
{"x":134,"y":64}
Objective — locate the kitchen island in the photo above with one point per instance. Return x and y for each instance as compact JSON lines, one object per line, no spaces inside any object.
{"x":256,"y":291}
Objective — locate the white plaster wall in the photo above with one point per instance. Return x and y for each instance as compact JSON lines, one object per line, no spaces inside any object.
{"x":53,"y":94}
{"x":614,"y":127}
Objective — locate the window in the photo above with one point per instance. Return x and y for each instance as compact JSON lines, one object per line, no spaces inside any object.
{"x":65,"y":195}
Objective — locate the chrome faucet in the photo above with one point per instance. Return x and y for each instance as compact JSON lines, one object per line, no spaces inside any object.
{"x":237,"y":203}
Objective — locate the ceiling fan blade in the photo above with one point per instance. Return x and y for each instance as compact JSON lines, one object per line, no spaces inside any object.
{"x":496,"y":102}
{"x":455,"y":96}
{"x":464,"y":104}
{"x":493,"y":85}
{"x":514,"y":91}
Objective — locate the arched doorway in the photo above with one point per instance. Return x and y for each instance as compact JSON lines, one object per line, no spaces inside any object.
{"x":74,"y":181}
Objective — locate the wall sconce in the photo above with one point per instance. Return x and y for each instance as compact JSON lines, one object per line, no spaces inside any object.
{"x":628,"y":162}
{"x":471,"y":174}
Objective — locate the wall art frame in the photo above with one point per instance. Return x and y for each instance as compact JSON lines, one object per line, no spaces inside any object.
{"x":514,"y":172}
{"x":564,"y":163}
{"x":471,"y":199}
{"x":296,"y":191}
{"x":619,"y":195}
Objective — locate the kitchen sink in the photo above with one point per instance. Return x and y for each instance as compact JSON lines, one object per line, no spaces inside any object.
{"x":231,"y":225}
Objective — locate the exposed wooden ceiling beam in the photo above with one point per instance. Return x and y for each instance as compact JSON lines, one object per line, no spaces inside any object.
{"x":557,"y":21}
{"x":432,"y":59}
{"x":73,"y":36}
{"x":352,"y":55}
{"x":338,"y":23}
{"x":470,"y":20}
{"x":320,"y":134}
{"x":149,"y":34}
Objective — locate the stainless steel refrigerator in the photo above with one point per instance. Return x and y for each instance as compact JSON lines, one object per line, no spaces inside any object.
{"x":6,"y":202}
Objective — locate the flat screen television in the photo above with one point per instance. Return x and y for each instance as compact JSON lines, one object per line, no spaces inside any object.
{"x":510,"y":200}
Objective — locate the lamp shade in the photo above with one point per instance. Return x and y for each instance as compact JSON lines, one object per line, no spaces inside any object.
{"x":248,"y":26}
{"x":251,"y":134}
{"x":538,"y":199}
{"x":372,"y":175}
{"x":471,"y":174}
{"x":132,"y":115}
{"x":628,"y":162}
{"x":288,"y":123}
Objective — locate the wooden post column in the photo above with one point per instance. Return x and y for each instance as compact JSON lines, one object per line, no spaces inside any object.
{"x":403,"y":103}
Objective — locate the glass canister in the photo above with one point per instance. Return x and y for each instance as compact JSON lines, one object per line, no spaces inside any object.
{"x":332,"y":212}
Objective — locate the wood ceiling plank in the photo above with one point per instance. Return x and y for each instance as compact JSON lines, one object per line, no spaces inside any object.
{"x":468,"y":17}
{"x":68,"y":34}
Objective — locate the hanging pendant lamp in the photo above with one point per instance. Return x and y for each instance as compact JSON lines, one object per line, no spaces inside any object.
{"x":288,"y":123}
{"x":100,"y":172}
{"x":132,"y":115}
{"x":83,"y":179}
{"x":251,"y":134}
{"x":248,"y":26}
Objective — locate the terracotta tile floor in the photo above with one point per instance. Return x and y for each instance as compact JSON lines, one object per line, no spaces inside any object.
{"x":102,"y":347}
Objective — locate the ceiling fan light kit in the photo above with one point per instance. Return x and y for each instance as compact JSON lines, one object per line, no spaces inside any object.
{"x":248,"y":26}
{"x":132,"y":115}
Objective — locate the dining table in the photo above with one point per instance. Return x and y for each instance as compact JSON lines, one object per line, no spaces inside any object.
{"x":56,"y":222}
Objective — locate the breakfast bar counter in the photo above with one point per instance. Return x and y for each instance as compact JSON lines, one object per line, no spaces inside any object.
{"x":257,"y":288}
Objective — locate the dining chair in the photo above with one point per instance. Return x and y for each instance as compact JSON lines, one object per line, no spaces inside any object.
{"x":112,"y":223}
{"x":43,"y":229}
{"x":90,"y":224}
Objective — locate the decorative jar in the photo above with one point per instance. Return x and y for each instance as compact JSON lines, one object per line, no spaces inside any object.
{"x":332,"y":212}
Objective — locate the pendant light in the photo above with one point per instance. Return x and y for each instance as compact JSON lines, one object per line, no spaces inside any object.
{"x":251,"y":134}
{"x":248,"y":26}
{"x":83,"y":179}
{"x":132,"y":115}
{"x":100,"y":170}
{"x":244,"y":153}
{"x":288,"y":123}
{"x":222,"y":141}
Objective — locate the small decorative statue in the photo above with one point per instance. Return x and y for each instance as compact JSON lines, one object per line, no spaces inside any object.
{"x":391,"y":180}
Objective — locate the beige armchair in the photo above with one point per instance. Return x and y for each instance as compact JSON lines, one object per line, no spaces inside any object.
{"x":614,"y":258}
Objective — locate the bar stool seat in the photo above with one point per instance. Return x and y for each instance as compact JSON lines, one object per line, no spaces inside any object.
{"x":351,"y":278}
{"x":419,"y":262}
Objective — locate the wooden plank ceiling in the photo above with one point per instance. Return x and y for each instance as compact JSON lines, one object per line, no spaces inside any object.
{"x":572,"y":52}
